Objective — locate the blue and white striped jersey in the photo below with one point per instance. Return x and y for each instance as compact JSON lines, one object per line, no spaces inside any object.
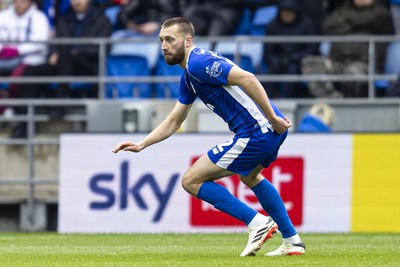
{"x":206,"y":77}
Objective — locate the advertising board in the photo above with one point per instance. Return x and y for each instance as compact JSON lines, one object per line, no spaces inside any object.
{"x":126,"y":192}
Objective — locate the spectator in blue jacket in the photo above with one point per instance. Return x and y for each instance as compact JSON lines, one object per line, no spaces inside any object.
{"x":318,"y":120}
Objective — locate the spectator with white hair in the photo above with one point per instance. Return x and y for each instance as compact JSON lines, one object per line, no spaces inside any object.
{"x":318,"y":119}
{"x":83,"y":20}
{"x":21,"y":23}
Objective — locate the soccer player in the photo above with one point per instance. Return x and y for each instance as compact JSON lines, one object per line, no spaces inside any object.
{"x":259,"y":127}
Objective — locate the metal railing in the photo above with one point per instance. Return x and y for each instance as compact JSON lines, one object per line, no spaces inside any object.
{"x":102,"y":79}
{"x":30,"y":142}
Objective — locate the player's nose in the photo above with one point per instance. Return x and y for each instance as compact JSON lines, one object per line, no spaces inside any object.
{"x":163,"y":46}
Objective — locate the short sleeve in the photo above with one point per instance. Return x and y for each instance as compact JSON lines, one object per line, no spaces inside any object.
{"x":186,"y":94}
{"x":213,"y":69}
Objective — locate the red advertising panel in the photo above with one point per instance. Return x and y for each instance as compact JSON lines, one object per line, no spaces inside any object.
{"x":286,"y":174}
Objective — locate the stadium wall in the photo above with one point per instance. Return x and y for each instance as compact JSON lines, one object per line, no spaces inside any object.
{"x":329,"y":183}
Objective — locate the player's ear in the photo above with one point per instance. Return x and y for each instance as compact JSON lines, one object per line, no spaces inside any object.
{"x":188,"y":41}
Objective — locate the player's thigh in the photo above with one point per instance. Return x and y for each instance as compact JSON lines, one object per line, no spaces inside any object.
{"x":253,"y":178}
{"x":203,"y":170}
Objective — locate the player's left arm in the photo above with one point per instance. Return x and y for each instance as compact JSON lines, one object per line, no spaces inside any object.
{"x":253,"y":88}
{"x":164,"y":130}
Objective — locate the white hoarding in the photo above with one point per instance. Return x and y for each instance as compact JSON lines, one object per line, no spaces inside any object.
{"x":126,"y":192}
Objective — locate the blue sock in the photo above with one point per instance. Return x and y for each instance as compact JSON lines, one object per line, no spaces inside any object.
{"x":223,"y":200}
{"x":272,"y":203}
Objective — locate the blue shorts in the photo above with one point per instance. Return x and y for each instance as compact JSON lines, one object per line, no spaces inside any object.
{"x":242,"y":155}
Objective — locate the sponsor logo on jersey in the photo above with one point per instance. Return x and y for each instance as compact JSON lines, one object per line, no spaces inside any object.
{"x":215,"y":70}
{"x":210,"y":106}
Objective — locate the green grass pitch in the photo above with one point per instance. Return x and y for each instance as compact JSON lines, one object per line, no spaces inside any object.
{"x":208,"y":250}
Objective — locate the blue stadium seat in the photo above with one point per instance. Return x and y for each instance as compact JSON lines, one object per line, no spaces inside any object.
{"x":81,"y":86}
{"x":262,"y":17}
{"x":127,"y":65}
{"x":4,"y":86}
{"x":112,"y":14}
{"x":149,"y":50}
{"x":228,"y":50}
{"x":49,"y":6}
{"x":392,"y":64}
{"x":255,"y":51}
{"x":170,"y":89}
{"x":245,"y":23}
{"x":325,"y":48}
{"x":206,"y":45}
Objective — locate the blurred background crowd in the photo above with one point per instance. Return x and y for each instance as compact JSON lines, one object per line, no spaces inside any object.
{"x":26,"y":25}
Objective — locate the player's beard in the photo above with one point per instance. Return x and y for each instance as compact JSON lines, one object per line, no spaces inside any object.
{"x":177,"y":58}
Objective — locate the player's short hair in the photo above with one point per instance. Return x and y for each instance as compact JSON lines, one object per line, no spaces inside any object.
{"x":186,"y":27}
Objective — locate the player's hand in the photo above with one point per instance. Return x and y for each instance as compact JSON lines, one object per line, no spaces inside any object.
{"x":128,"y":146}
{"x":281,"y":125}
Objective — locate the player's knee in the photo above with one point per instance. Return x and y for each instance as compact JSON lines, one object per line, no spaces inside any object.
{"x":185,"y":182}
{"x":188,"y":184}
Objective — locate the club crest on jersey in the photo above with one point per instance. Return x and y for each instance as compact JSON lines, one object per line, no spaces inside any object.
{"x":215,"y":69}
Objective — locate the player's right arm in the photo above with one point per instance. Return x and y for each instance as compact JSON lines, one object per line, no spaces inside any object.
{"x":166,"y":128}
{"x":253,"y":88}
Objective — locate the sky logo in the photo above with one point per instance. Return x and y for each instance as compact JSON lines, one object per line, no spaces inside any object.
{"x":103,"y":185}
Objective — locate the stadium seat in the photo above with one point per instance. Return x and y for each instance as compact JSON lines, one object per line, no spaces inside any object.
{"x":149,"y":50}
{"x":169,"y":89}
{"x":228,"y":50}
{"x":392,"y":64}
{"x":255,"y":50}
{"x":206,"y":45}
{"x":325,"y":48}
{"x":49,"y":8}
{"x":4,"y":86}
{"x":112,"y":14}
{"x":245,"y":23}
{"x":263,"y":16}
{"x":127,"y":65}
{"x":82,"y":89}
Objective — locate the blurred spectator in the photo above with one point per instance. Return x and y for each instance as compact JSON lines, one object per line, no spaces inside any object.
{"x":213,"y":18}
{"x":144,"y":17}
{"x":284,"y":58}
{"x":22,"y":21}
{"x":394,"y":88}
{"x":333,"y":4}
{"x":395,"y":10}
{"x":318,"y":119}
{"x":315,"y":10}
{"x":357,"y":17}
{"x":83,"y":20}
{"x":255,"y":4}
